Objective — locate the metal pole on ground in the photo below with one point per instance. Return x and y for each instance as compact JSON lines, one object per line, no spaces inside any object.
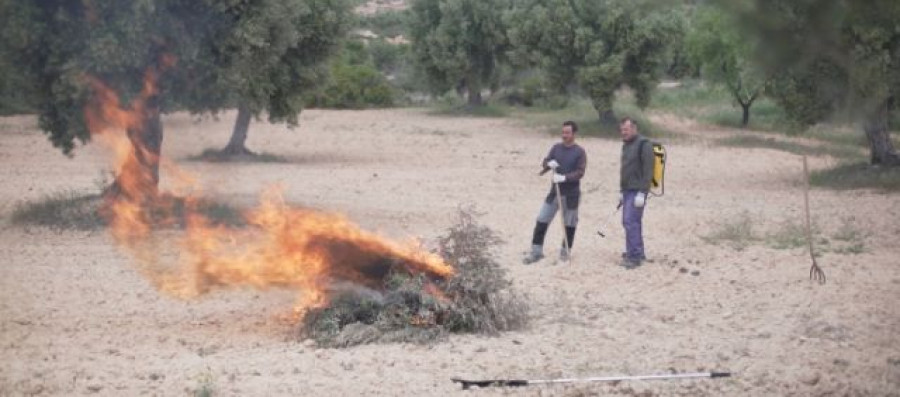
{"x":466,"y":384}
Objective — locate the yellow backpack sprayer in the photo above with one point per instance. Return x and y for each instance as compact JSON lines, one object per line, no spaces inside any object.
{"x":658,"y":182}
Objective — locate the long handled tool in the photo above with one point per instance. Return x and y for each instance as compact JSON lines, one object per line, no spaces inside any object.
{"x":466,"y":384}
{"x":562,"y":219}
{"x":606,"y":222}
{"x":815,"y":272}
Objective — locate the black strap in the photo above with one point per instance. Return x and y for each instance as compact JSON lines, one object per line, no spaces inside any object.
{"x":641,"y":158}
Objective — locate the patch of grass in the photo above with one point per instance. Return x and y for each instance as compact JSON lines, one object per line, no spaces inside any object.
{"x":848,"y":232}
{"x":690,"y":98}
{"x":205,"y":385}
{"x":217,"y":156}
{"x":838,"y":134}
{"x":581,"y":111}
{"x":220,"y":213}
{"x":713,"y":104}
{"x":758,"y":142}
{"x":855,"y":248}
{"x":792,"y":234}
{"x":66,"y":210}
{"x":765,"y":115}
{"x":850,"y":176}
{"x":740,"y":232}
{"x":477,"y":299}
{"x":849,"y":238}
{"x":72,"y":210}
{"x":462,"y":110}
{"x":737,"y":232}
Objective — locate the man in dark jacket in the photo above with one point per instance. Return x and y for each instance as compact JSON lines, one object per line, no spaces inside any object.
{"x":635,"y":176}
{"x":568,"y":162}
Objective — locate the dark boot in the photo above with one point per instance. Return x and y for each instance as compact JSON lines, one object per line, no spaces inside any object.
{"x":537,"y":243}
{"x":564,"y":255}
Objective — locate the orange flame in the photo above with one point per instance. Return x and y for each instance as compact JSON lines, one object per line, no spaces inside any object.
{"x":284,"y":247}
{"x":299,"y":249}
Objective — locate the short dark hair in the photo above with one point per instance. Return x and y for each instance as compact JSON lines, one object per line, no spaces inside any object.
{"x":627,"y":119}
{"x":572,"y":124}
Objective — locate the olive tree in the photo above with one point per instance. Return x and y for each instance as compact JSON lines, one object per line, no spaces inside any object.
{"x":832,"y":56}
{"x":459,"y":43}
{"x":599,"y":45}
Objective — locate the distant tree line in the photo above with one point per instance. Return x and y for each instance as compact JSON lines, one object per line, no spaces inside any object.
{"x":814,"y":58}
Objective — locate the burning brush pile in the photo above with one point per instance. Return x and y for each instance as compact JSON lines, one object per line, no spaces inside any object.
{"x":419,"y":308}
{"x":352,"y":286}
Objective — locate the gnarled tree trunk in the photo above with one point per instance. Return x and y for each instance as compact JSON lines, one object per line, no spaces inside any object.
{"x":237,"y":143}
{"x":880,"y":145}
{"x":138,"y":180}
{"x":475,"y":98}
{"x":745,"y":117}
{"x":608,"y":117}
{"x":474,"y":93}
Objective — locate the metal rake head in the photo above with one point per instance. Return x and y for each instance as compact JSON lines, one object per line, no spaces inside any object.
{"x":815,"y":273}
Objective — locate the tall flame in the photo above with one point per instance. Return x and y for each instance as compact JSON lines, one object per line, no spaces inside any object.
{"x":283,"y":246}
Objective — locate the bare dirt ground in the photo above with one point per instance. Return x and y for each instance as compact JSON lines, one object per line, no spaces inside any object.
{"x":76,"y":318}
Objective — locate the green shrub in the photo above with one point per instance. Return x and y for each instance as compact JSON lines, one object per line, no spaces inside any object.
{"x":385,"y":23}
{"x":354,"y":87}
{"x":387,"y":57}
{"x":528,"y":91}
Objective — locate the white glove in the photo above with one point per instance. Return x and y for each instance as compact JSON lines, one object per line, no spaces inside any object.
{"x":552,"y":164}
{"x":558,"y":178}
{"x":640,"y":199}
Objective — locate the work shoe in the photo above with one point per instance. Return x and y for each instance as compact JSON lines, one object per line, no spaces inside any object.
{"x":532,"y":257}
{"x":643,"y":258}
{"x":630,"y":263}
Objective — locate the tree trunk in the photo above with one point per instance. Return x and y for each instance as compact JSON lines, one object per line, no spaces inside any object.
{"x":138,"y":180}
{"x":746,"y":103}
{"x":461,"y":89}
{"x":474,"y":96}
{"x":880,"y":145}
{"x":236,"y":145}
{"x":745,"y":119}
{"x":608,"y":117}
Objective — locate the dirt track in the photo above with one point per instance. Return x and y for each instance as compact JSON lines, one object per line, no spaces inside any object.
{"x":76,"y":318}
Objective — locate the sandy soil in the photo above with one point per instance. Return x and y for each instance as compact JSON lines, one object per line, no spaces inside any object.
{"x":76,"y":318}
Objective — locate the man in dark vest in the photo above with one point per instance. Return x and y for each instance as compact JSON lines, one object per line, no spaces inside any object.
{"x":635,"y":176}
{"x":567,"y":160}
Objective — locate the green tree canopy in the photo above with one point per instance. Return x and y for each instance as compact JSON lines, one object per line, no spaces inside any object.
{"x":260,"y":56}
{"x":725,"y":54}
{"x":600,"y":45}
{"x":61,"y":43}
{"x":832,"y":56}
{"x":459,"y":43}
{"x":264,"y":56}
